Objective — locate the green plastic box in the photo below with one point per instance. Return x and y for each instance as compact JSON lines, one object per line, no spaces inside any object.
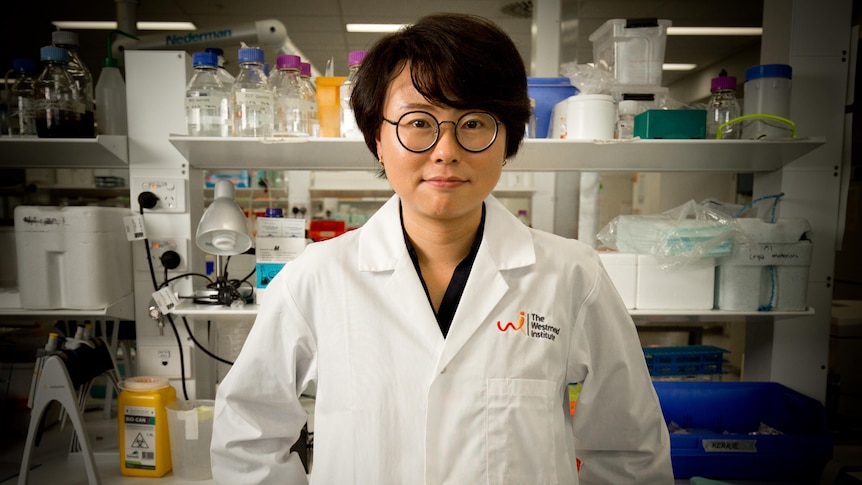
{"x":671,"y":124}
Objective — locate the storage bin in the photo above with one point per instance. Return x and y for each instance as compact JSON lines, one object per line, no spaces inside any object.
{"x":622,"y":269}
{"x":632,"y":49}
{"x":547,"y":91}
{"x":72,"y":257}
{"x":684,"y":360}
{"x":671,"y":124}
{"x":687,"y":287}
{"x":718,"y":417}
{"x":771,"y":273}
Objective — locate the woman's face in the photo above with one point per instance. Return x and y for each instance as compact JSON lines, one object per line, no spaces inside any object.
{"x":446,"y":182}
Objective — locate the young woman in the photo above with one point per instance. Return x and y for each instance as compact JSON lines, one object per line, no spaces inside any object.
{"x":443,"y":334}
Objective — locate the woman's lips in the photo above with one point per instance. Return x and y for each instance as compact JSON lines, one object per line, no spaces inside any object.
{"x":446,"y":182}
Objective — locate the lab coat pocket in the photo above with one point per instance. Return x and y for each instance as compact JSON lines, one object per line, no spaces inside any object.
{"x":520,"y":437}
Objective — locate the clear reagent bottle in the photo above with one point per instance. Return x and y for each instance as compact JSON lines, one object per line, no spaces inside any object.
{"x":59,"y":107}
{"x":22,"y":93}
{"x":81,"y":76}
{"x":348,"y":120}
{"x":290,"y":119}
{"x":722,"y":107}
{"x":224,"y":75}
{"x":309,"y":96}
{"x":252,"y":102}
{"x":207,"y":102}
{"x":627,"y":110}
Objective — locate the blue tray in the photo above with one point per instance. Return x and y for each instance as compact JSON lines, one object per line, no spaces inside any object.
{"x":684,"y":360}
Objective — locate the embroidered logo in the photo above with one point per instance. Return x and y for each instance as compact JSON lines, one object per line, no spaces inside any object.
{"x":531,"y":325}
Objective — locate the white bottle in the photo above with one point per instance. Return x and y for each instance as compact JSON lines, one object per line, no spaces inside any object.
{"x":252,"y":101}
{"x":207,"y":102}
{"x":309,"y":95}
{"x":627,"y":109}
{"x":224,"y":76}
{"x":290,"y":117}
{"x":111,"y":117}
{"x":348,"y":120}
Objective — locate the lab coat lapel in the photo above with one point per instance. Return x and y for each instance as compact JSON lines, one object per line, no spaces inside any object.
{"x":504,"y":246}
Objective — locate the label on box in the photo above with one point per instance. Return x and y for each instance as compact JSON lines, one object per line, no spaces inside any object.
{"x":729,"y":446}
{"x":278,"y":227}
{"x":139,"y":449}
{"x":271,"y":255}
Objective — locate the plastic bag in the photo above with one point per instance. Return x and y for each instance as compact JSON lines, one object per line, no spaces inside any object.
{"x":683,"y":235}
{"x":588,"y":78}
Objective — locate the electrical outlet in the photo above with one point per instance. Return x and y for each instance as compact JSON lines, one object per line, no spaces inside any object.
{"x":161,"y":246}
{"x":171,"y":193}
{"x":160,"y":360}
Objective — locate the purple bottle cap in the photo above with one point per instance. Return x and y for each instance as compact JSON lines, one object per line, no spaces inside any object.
{"x":722,"y":83}
{"x":356,"y":57}
{"x":287,"y":61}
{"x":305,"y":69}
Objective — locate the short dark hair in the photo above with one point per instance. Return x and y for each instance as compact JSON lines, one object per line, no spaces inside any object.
{"x":459,"y":60}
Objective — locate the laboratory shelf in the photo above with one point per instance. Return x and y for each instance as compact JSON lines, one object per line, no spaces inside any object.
{"x":735,"y":156}
{"x":122,"y":309}
{"x":197,"y":310}
{"x":104,"y":151}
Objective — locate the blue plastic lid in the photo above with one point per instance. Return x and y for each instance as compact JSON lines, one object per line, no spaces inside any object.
{"x":274,"y":212}
{"x":769,"y":70}
{"x":51,"y":53}
{"x":250,"y":54}
{"x":204,"y":59}
{"x":25,"y":65}
{"x":215,"y":50}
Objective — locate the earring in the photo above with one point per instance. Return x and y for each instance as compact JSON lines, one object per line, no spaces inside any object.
{"x":505,"y":161}
{"x":380,"y":161}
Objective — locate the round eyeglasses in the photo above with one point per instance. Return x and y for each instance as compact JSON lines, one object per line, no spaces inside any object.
{"x":418,"y":131}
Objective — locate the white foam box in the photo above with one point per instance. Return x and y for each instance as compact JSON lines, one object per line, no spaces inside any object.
{"x":771,"y":271}
{"x":622,"y":269}
{"x":686,"y":287}
{"x":72,"y":257}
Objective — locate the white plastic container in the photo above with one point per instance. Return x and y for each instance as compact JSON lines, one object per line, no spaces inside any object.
{"x":769,"y":274}
{"x":191,"y":432}
{"x":688,"y":287}
{"x":631,"y":49}
{"x":72,"y":257}
{"x":623,"y":270}
{"x":767,"y":91}
{"x":585,"y":117}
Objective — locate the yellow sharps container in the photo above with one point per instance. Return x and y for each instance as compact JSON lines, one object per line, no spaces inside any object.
{"x":145,"y":444}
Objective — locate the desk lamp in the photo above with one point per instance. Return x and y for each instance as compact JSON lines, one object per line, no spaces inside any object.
{"x":222,"y":231}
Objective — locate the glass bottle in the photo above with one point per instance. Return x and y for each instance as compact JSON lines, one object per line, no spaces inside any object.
{"x":309,"y":96}
{"x":348,"y":121}
{"x":251,"y":96}
{"x":290,"y":119}
{"x":224,"y":76}
{"x":22,"y":93}
{"x":627,"y":109}
{"x":207,"y":102}
{"x":59,"y":107}
{"x":81,"y":76}
{"x":722,"y":107}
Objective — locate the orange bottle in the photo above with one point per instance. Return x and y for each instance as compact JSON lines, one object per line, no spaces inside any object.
{"x":145,"y":444}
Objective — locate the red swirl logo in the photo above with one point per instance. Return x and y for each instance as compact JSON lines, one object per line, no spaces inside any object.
{"x":510,"y":325}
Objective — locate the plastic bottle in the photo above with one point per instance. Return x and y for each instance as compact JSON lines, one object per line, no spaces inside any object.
{"x":348,"y":121}
{"x":767,"y":91}
{"x":251,"y":97}
{"x":290,"y":119}
{"x":81,"y":76}
{"x":59,"y":110}
{"x":522,"y":216}
{"x":111,"y":115}
{"x":309,"y":96}
{"x":722,"y":107}
{"x":22,"y":92}
{"x":627,"y":110}
{"x":224,"y":76}
{"x":207,"y":102}
{"x":145,"y":445}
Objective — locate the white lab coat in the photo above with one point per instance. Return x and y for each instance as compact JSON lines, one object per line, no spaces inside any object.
{"x":398,"y":404}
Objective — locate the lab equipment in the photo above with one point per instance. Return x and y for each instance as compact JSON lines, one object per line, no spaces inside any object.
{"x":111,"y":115}
{"x":290,"y":119}
{"x":60,"y":108}
{"x":328,"y":105}
{"x":191,"y":432}
{"x":626,"y":111}
{"x":345,"y":91}
{"x":207,"y":101}
{"x":547,"y":92}
{"x":767,"y":91}
{"x":82,"y":78}
{"x":22,"y":93}
{"x":722,"y":107}
{"x":309,"y":98}
{"x":252,"y":102}
{"x":632,"y":49}
{"x":224,"y":76}
{"x":670,"y":124}
{"x":145,"y":446}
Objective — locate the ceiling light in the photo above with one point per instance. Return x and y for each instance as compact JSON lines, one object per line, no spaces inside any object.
{"x":720,"y":31}
{"x":109,"y":25}
{"x":677,"y":67}
{"x":375,"y":28}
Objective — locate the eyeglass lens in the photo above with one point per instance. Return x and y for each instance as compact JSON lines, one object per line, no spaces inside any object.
{"x":418,"y":130}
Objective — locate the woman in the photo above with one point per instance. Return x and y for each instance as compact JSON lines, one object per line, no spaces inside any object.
{"x":442,"y":334}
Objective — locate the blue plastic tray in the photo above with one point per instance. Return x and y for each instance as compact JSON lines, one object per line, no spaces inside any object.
{"x":684,"y":360}
{"x":719,"y":417}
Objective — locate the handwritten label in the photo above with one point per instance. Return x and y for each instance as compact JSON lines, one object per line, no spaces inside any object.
{"x":730,"y":446}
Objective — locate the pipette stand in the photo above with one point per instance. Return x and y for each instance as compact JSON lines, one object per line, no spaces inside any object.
{"x":56,"y":385}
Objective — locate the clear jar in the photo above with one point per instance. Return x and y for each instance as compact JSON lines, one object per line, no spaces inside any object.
{"x":348,"y":120}
{"x":59,"y":110}
{"x":290,"y":116}
{"x":252,"y":102}
{"x":207,"y":102}
{"x":722,"y":107}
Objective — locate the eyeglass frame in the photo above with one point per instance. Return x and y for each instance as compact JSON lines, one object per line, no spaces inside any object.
{"x":437,"y":130}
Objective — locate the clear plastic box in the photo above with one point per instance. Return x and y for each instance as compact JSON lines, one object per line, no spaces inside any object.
{"x":632,"y":49}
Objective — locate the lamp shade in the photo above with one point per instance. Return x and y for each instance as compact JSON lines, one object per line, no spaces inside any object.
{"x":223,"y":229}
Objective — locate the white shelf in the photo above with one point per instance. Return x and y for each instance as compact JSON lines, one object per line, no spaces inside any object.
{"x":104,"y":151}
{"x":197,"y":310}
{"x":122,"y":309}
{"x":735,"y":156}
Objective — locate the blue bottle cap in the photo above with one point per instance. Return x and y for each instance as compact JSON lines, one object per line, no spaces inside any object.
{"x":51,"y":53}
{"x":204,"y":59}
{"x":274,"y":212}
{"x":25,"y":65}
{"x":250,"y":54}
{"x":769,"y":70}
{"x":215,"y":50}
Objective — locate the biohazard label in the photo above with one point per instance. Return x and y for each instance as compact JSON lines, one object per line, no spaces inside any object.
{"x":140,"y":437}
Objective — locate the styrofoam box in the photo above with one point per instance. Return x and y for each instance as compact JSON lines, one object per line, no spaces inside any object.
{"x":72,"y":257}
{"x":687,"y":287}
{"x":774,"y":266}
{"x":622,"y":268}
